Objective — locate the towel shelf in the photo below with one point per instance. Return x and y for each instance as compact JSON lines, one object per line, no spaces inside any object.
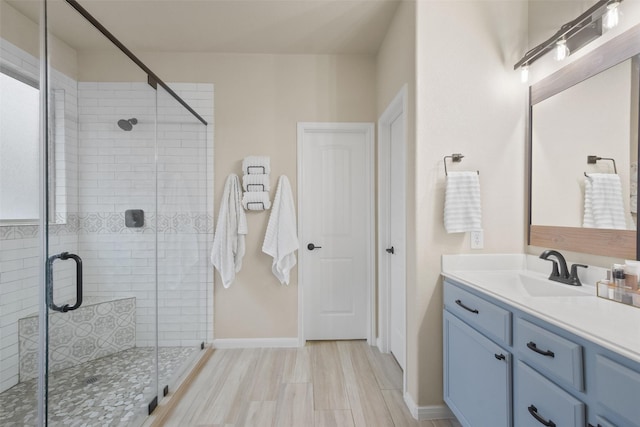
{"x":455,"y":158}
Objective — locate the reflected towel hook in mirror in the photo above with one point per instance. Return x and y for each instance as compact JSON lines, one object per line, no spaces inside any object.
{"x":456,"y":158}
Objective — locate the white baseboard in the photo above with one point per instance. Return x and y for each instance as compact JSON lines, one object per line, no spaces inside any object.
{"x":433,"y":412}
{"x":256,"y":343}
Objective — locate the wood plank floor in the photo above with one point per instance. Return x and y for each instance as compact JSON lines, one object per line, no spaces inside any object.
{"x":324,"y":384}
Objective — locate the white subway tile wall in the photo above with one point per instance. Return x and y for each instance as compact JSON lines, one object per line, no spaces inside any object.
{"x":101,"y":171}
{"x":118,"y":172}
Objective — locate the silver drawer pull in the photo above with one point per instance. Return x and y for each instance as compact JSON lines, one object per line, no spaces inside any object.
{"x":532,"y":346}
{"x":473,"y":310}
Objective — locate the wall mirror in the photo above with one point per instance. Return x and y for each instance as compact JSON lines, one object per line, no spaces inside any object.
{"x":588,"y":108}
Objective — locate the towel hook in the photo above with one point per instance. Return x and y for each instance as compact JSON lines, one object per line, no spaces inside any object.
{"x":591,"y":160}
{"x":456,"y":158}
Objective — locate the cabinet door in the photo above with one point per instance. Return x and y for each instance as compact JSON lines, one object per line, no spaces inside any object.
{"x":477,"y":376}
{"x":617,"y":390}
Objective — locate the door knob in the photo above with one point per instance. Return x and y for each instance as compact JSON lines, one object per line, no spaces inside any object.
{"x":311,"y":246}
{"x":390,"y":250}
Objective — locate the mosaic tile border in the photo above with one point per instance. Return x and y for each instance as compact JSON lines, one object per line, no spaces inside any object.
{"x":113,"y":223}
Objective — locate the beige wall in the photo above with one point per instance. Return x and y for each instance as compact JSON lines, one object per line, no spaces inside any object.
{"x":258,"y":101}
{"x":25,"y":34}
{"x":469,"y":100}
{"x":19,"y":30}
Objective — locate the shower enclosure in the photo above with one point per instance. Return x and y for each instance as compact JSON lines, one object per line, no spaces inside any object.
{"x":105,"y":221}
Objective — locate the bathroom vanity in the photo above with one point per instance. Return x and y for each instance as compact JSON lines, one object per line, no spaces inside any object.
{"x":520,"y":350}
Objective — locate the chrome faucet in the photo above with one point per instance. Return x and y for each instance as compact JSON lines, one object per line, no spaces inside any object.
{"x":563,"y":275}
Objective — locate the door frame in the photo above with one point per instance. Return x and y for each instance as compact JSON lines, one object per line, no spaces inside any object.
{"x":398,"y":106}
{"x":368,"y":129}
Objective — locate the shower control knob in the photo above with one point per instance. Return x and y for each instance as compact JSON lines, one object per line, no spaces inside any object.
{"x":311,"y":246}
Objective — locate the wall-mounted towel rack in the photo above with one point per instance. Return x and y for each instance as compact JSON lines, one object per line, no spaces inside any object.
{"x":259,"y":187}
{"x":261,"y":169}
{"x":456,"y":158}
{"x":256,"y":203}
{"x":591,"y":160}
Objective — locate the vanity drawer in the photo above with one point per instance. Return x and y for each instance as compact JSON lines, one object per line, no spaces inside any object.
{"x":550,"y":353}
{"x":479,"y":313}
{"x":538,"y":400}
{"x":617,"y":390}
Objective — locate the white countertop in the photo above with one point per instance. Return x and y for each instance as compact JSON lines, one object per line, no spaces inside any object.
{"x":610,"y":324}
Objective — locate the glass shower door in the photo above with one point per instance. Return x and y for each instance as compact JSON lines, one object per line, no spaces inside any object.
{"x":20,"y":214}
{"x":101,"y":333}
{"x":183,"y":240}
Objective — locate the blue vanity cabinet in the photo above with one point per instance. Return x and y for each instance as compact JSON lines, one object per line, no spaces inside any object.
{"x":477,"y":371}
{"x":506,"y":367}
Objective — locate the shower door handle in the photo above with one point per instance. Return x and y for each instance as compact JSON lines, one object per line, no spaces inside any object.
{"x":64,"y":256}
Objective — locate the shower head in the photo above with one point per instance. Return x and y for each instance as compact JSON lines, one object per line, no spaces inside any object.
{"x":127,"y":125}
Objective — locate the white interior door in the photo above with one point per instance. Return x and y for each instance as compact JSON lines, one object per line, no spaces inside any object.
{"x":392,"y":228}
{"x":397,"y":264}
{"x":335,"y":196}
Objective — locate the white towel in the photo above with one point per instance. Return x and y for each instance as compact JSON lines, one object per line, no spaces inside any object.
{"x":462,"y":203}
{"x":281,"y":240}
{"x":228,"y":241}
{"x":256,"y":182}
{"x":256,"y":200}
{"x":256,"y":165}
{"x":603,"y":205}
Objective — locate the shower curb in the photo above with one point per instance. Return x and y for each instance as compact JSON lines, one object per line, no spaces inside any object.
{"x":167,"y":405}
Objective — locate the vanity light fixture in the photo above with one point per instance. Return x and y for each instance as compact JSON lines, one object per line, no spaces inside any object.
{"x":524,"y":73}
{"x":611,"y":18}
{"x":575,"y":34}
{"x":561,"y":50}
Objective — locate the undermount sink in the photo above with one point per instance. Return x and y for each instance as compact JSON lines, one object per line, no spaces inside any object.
{"x":539,"y":287}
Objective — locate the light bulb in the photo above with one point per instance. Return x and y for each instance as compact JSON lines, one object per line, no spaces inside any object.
{"x":612,"y":16}
{"x":562,"y":51}
{"x":524,"y":73}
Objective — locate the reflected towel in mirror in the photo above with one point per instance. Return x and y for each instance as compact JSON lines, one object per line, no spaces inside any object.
{"x":603,"y":205}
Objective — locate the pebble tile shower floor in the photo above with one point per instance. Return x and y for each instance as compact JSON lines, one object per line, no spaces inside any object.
{"x":104,"y":392}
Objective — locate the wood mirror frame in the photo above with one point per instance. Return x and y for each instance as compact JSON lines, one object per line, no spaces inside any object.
{"x":605,"y":242}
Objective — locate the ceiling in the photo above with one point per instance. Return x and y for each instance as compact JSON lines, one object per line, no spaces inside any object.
{"x":229,"y":26}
